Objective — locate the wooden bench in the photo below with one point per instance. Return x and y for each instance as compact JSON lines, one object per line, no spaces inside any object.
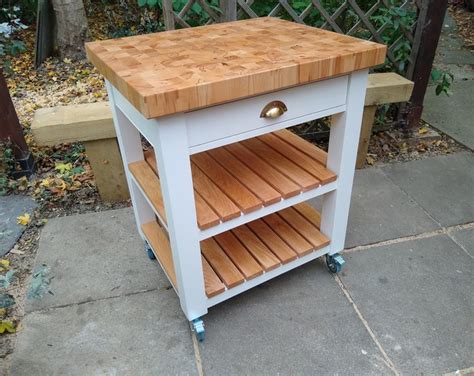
{"x":92,"y":124}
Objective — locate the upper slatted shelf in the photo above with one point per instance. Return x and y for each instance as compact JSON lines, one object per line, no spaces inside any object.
{"x":243,"y":177}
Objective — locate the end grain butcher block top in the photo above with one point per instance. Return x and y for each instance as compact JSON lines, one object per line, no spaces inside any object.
{"x":182,"y":70}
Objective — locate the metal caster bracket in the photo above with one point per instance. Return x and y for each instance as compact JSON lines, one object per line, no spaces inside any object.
{"x":149,"y":251}
{"x":197,"y":326}
{"x":335,"y":262}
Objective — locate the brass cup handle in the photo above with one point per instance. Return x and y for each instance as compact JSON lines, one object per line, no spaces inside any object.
{"x":273,"y":110}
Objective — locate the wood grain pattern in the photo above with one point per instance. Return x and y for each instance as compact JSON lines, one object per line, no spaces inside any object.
{"x":278,"y":161}
{"x":278,"y":246}
{"x":182,"y":70}
{"x":212,"y":194}
{"x":303,"y":145}
{"x":150,"y":184}
{"x":309,"y":213}
{"x":213,"y":284}
{"x":246,"y":176}
{"x":161,"y":248}
{"x":235,"y":190}
{"x":239,"y":255}
{"x":206,"y":217}
{"x":256,"y":247}
{"x":305,"y":228}
{"x":276,"y":179}
{"x":307,"y":163}
{"x":221,"y":263}
{"x":299,"y":244}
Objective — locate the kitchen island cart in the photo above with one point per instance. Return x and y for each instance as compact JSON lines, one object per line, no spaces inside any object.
{"x":219,"y":189}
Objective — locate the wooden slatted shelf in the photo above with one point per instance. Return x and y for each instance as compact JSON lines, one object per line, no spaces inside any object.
{"x":243,"y":177}
{"x":248,"y":251}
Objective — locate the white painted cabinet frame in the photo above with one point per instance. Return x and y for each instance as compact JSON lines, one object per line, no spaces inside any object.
{"x":175,"y":138}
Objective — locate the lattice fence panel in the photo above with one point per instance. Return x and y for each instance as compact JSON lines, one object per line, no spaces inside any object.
{"x":386,"y":21}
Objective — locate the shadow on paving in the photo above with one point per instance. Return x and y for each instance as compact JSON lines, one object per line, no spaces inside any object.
{"x":443,"y":186}
{"x":299,"y":323}
{"x":417,"y":298}
{"x":141,"y":334}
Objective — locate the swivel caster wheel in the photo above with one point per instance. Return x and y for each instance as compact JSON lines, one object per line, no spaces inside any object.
{"x":198,"y":329}
{"x":335,"y":262}
{"x":149,"y":251}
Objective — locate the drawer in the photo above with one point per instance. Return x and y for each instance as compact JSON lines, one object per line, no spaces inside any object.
{"x":233,"y":120}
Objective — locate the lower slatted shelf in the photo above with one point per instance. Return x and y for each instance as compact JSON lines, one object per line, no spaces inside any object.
{"x":248,"y":251}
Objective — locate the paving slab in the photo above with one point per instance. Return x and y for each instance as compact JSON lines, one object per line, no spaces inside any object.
{"x":140,"y":334}
{"x":10,"y":208}
{"x":297,"y":324}
{"x":452,"y":115}
{"x":442,"y":185}
{"x":94,"y":256}
{"x":417,"y":298}
{"x":381,"y":211}
{"x":465,"y":238}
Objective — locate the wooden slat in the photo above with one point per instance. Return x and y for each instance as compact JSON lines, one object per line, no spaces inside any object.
{"x":241,"y":196}
{"x":150,"y":184}
{"x":257,"y":248}
{"x":288,"y":234}
{"x":282,"y":164}
{"x":303,"y":145}
{"x":284,"y":252}
{"x":309,"y":164}
{"x":273,"y":177}
{"x":206,"y":217}
{"x":239,"y":255}
{"x":221,"y":263}
{"x":161,"y":247}
{"x":309,"y":213}
{"x":213,"y":284}
{"x":246,"y":176}
{"x":305,"y":228}
{"x":211,"y":193}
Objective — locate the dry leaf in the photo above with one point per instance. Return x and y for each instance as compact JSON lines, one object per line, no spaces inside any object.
{"x":7,"y":326}
{"x":63,"y":167}
{"x":422,"y":130}
{"x":24,"y":219}
{"x":4,"y":264}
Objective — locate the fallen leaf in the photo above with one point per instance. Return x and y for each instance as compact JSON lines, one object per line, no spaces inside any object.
{"x":370,"y":160}
{"x":40,"y":283}
{"x":7,"y":326}
{"x":16,"y":252}
{"x":6,"y":279}
{"x":4,"y":264}
{"x":422,"y":130}
{"x":24,"y":219}
{"x":63,"y":167}
{"x":6,"y":300}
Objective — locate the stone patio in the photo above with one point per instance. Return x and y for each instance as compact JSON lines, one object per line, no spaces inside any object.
{"x":403,"y":304}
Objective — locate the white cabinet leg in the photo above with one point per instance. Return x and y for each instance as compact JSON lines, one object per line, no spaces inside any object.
{"x":343,"y":142}
{"x":131,"y":150}
{"x":169,"y":138}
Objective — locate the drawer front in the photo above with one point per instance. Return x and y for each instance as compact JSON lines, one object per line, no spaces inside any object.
{"x":226,"y":120}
